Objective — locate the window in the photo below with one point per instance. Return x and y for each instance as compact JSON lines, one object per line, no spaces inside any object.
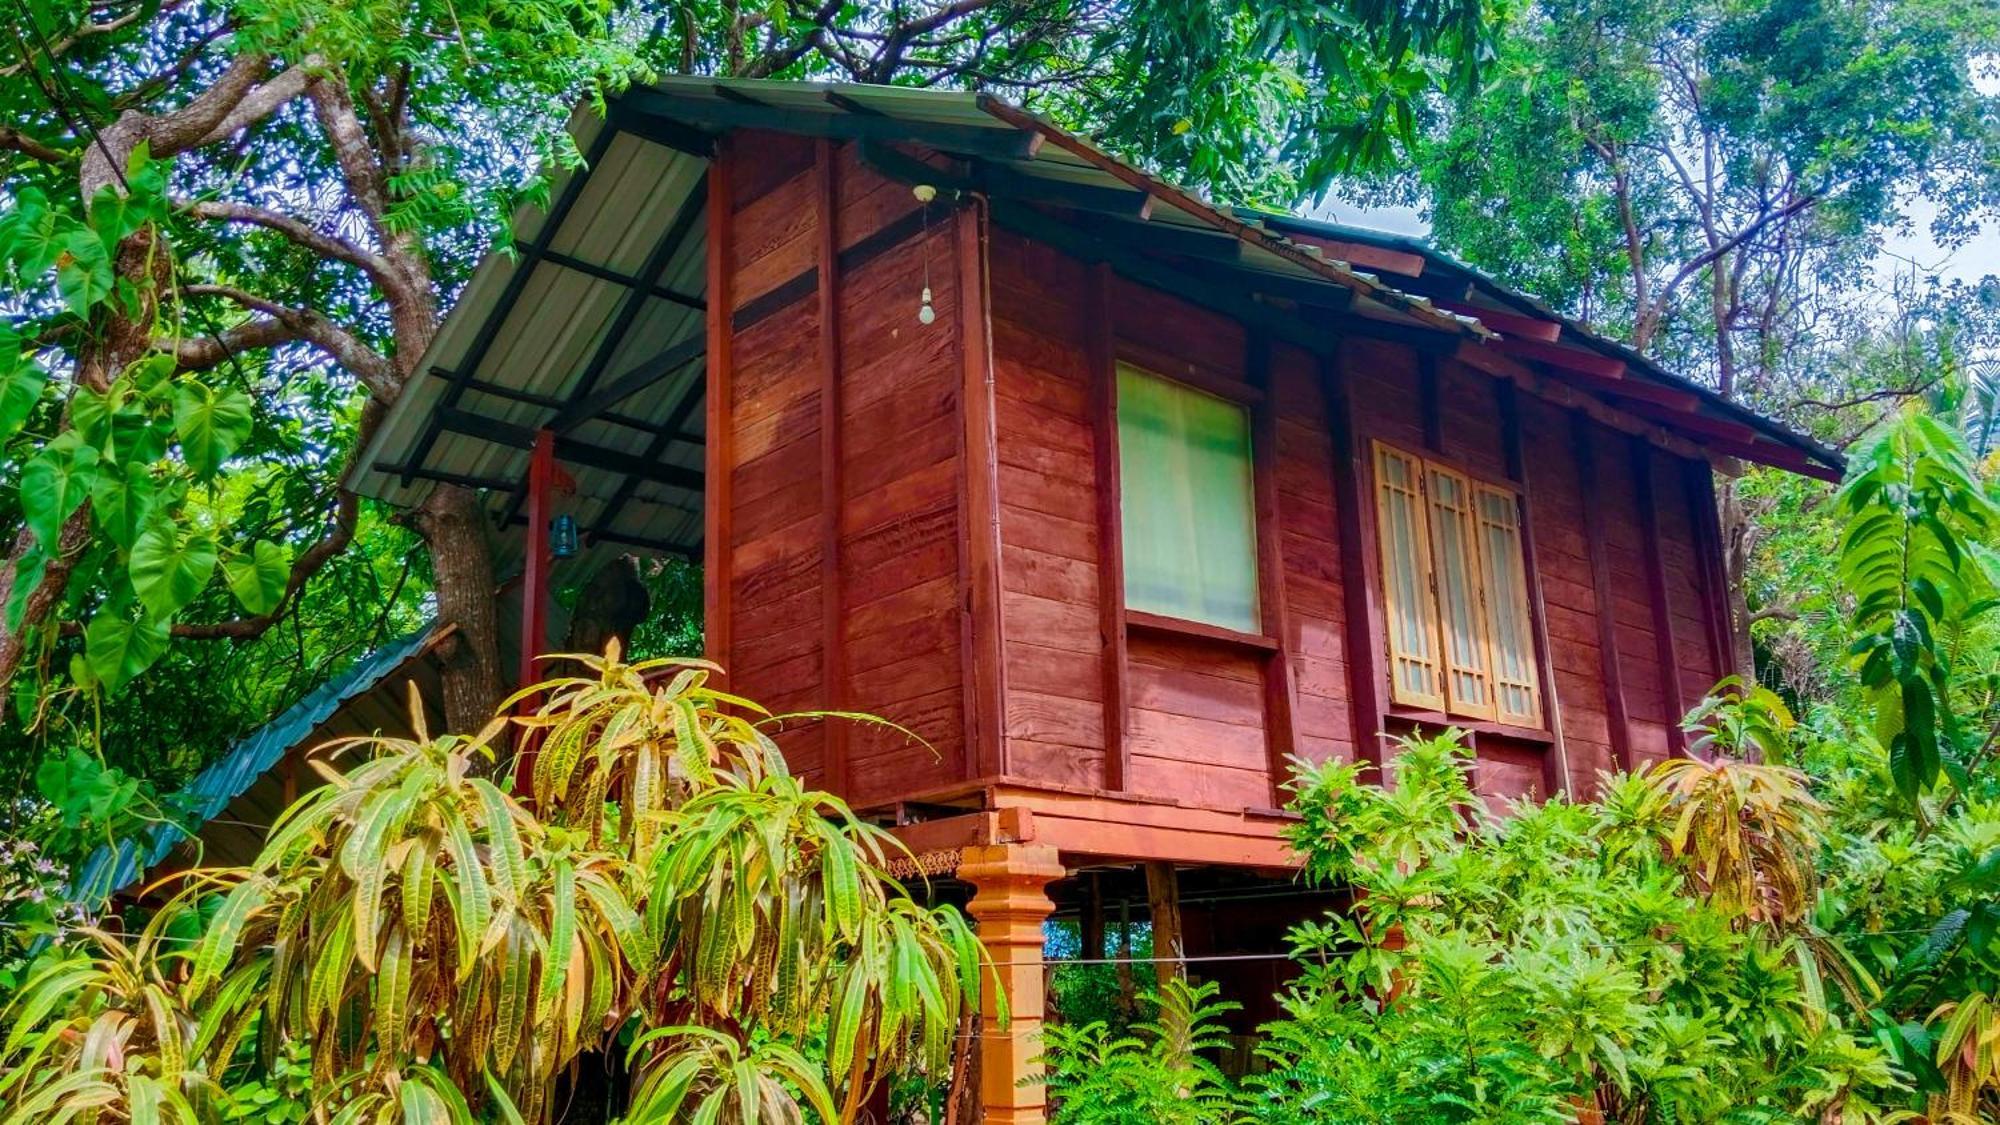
{"x":1187,"y":503}
{"x":1455,"y":587}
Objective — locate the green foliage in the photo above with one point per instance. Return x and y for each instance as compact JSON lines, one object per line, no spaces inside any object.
{"x":1918,"y":559}
{"x":1794,"y":925}
{"x":436,"y":951}
{"x":1155,"y":1075}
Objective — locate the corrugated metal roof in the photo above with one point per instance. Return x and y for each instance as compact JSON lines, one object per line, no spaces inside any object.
{"x":112,"y":869}
{"x":577,"y":306}
{"x":1574,"y":330}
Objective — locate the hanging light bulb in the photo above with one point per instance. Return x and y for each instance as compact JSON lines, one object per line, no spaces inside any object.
{"x":926,"y":313}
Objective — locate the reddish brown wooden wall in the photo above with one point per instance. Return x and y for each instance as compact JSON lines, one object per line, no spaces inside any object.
{"x":1199,"y":712}
{"x":853,"y":509}
{"x":888,"y":604}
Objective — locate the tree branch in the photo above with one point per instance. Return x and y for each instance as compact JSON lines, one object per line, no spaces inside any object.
{"x":15,"y":140}
{"x":279,"y":324}
{"x":295,"y":229}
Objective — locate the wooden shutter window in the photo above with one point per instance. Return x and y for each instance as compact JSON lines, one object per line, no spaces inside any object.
{"x":1517,"y":679}
{"x":1468,"y":645}
{"x":1455,"y":588}
{"x":1415,"y":669}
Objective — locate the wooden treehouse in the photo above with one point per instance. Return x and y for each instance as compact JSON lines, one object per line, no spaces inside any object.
{"x":1117,"y":499}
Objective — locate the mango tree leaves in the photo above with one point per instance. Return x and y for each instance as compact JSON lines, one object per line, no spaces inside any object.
{"x":119,"y":650}
{"x":210,"y":424}
{"x":54,"y":484}
{"x":169,"y":567}
{"x":258,"y":576}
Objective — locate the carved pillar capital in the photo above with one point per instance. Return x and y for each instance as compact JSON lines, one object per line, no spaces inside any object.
{"x":1010,"y":903}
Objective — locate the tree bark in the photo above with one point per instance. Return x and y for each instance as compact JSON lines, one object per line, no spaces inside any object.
{"x":453,"y":525}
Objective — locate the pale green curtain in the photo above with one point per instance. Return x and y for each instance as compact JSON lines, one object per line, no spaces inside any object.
{"x":1188,"y":503}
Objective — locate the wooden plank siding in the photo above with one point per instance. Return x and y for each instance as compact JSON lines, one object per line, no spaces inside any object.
{"x":921,"y":521}
{"x":884,"y":452}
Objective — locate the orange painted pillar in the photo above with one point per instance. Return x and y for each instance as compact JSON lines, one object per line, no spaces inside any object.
{"x":1010,"y":903}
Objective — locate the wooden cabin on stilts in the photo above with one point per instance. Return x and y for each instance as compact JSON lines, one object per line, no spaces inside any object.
{"x":1120,"y":501}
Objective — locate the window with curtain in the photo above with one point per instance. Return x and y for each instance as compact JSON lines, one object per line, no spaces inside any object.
{"x":1188,"y":503}
{"x":1454,"y":580}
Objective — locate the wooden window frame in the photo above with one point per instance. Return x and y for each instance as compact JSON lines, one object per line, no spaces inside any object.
{"x":1443,"y":705}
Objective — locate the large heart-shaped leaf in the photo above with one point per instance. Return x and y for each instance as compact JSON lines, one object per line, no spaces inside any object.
{"x":27,"y":575}
{"x":169,"y":567}
{"x":257,"y":576}
{"x":121,"y":499}
{"x":119,"y":650}
{"x":211,"y":425}
{"x":20,"y":389}
{"x":32,"y":233}
{"x":54,"y":484}
{"x":83,"y":271}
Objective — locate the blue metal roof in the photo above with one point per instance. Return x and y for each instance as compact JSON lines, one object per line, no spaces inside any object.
{"x":111,"y":869}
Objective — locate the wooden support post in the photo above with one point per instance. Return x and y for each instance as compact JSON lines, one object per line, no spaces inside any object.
{"x":1360,"y":582}
{"x":1091,"y":929}
{"x":980,"y":633}
{"x":1110,"y":526}
{"x":1163,"y":899}
{"x":1128,"y":990}
{"x":1555,"y":764}
{"x":535,"y":570}
{"x":1279,"y":707}
{"x":833,"y":651}
{"x":1610,"y":668}
{"x":1673,"y":702}
{"x":534,"y":592}
{"x":1010,"y":903}
{"x":719,"y":440}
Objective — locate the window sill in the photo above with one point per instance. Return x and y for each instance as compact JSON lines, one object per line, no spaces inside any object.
{"x":1160,"y":624}
{"x":1474,"y":726}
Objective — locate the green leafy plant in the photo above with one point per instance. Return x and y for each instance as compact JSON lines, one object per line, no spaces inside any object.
{"x":1155,"y":1075}
{"x":442,"y":951}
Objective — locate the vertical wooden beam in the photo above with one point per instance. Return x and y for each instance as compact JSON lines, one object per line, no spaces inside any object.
{"x":1698,"y":480}
{"x":1163,"y":899}
{"x":534,"y":592}
{"x":1110,"y":526}
{"x":536,"y":564}
{"x":1360,"y":580}
{"x":1673,"y":701}
{"x":1430,"y":398}
{"x":1280,"y":740}
{"x":980,"y":635}
{"x":719,"y":453}
{"x":1091,"y":929}
{"x":1610,"y":670}
{"x":833,"y":653}
{"x":1555,"y":765}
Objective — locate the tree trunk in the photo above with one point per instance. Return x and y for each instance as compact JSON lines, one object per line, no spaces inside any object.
{"x":454,"y":529}
{"x":1736,"y":568}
